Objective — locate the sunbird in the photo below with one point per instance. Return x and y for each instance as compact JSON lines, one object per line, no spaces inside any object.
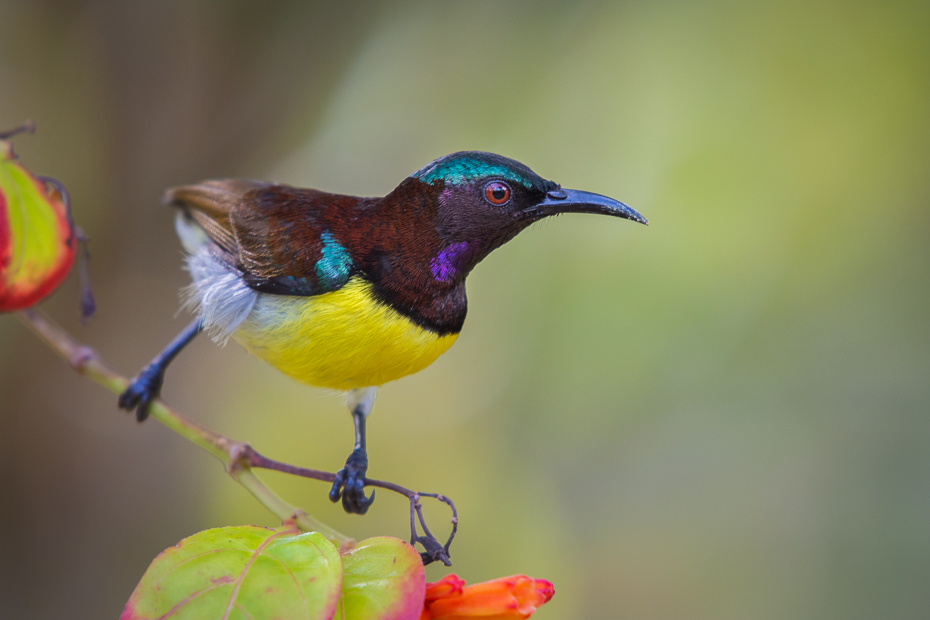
{"x":349,"y":293}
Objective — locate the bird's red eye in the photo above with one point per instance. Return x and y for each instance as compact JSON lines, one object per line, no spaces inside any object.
{"x":497,"y":193}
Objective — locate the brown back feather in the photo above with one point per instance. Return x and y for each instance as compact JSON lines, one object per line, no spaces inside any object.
{"x":266,"y":230}
{"x":210,"y":204}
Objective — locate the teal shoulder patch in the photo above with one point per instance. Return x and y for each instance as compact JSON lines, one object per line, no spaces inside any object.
{"x":334,"y":267}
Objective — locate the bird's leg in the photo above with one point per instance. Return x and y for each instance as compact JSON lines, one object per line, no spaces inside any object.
{"x":350,"y":480}
{"x":146,"y":386}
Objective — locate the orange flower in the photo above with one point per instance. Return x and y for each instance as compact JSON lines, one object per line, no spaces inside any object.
{"x":450,"y":585}
{"x":506,"y":598}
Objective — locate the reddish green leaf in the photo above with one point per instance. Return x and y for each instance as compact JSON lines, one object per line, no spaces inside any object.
{"x":37,"y":240}
{"x":383,"y":579}
{"x":242,"y":573}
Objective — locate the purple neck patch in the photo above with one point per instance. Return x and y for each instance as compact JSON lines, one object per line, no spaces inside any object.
{"x":445,"y":265}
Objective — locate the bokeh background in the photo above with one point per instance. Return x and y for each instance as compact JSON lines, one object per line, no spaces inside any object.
{"x":723,"y":415}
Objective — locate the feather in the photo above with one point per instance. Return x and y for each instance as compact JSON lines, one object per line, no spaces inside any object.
{"x":210,"y":204}
{"x":278,"y":237}
{"x":218,"y":294}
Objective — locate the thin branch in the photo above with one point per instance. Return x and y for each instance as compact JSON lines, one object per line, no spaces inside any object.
{"x":27,"y":127}
{"x":238,"y":457}
{"x":434,"y":551}
{"x":85,"y":361}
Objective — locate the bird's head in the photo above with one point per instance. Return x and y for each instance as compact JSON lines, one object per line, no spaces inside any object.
{"x":484,"y":200}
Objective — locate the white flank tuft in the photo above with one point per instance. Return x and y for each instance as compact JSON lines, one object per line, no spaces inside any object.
{"x":218,"y":294}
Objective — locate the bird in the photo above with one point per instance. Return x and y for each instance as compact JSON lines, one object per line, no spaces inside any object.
{"x":344,"y":292}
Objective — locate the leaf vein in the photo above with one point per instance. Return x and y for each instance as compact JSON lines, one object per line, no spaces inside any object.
{"x":248,"y":566}
{"x":187,"y":600}
{"x":300,"y":590}
{"x":193,"y":557}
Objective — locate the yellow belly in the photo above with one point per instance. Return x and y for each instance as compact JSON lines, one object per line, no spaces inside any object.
{"x":341,"y":340}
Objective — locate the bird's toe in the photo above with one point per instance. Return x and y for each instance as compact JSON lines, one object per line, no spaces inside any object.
{"x":349,"y":485}
{"x":142,"y":390}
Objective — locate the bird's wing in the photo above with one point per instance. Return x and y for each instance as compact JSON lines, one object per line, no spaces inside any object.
{"x":274,"y":234}
{"x":210,"y":204}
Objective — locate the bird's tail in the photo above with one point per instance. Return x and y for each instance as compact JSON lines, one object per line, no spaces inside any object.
{"x":207,"y":206}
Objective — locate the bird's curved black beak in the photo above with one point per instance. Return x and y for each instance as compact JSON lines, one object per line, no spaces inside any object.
{"x":576,"y":201}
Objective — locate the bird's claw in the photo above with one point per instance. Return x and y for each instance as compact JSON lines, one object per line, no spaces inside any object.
{"x":434,"y":551}
{"x":142,"y":390}
{"x":350,"y":484}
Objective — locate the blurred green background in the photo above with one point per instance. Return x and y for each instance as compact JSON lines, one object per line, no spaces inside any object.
{"x":723,"y":415}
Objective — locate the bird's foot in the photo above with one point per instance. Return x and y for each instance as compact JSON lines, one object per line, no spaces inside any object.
{"x":350,"y":484}
{"x":142,"y":390}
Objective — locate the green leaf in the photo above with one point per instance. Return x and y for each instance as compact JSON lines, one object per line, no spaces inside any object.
{"x":37,"y":243}
{"x":383,"y":579}
{"x":242,"y":573}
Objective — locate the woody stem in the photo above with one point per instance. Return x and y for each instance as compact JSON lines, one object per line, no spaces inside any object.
{"x":238,"y":458}
{"x":87,"y":362}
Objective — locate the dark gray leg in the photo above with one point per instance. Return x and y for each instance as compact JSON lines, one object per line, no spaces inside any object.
{"x":146,"y":386}
{"x":350,"y":480}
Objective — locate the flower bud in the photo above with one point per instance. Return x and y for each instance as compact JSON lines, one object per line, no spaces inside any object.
{"x":506,"y":598}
